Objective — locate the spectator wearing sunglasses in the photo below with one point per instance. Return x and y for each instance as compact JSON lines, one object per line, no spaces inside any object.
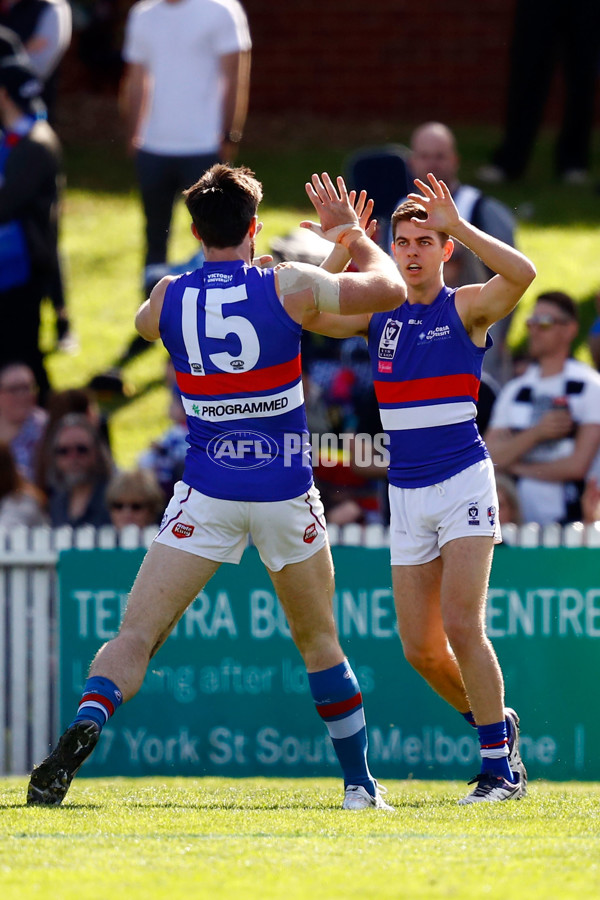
{"x":78,"y":473}
{"x":135,"y":498}
{"x":545,"y":426}
{"x":61,"y":403}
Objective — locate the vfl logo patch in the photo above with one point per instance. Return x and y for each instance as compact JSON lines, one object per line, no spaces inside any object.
{"x":388,"y":341}
{"x":473,"y":514}
{"x":310,"y":533}
{"x":491,"y":514}
{"x":181,"y":530}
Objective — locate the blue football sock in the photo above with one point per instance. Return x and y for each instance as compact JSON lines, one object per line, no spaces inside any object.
{"x":101,"y":697}
{"x":470,"y":718}
{"x":338,"y":699}
{"x":494,"y":749}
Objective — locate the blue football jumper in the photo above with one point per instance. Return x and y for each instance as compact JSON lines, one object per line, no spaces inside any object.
{"x":236,"y":354}
{"x":426,"y":372}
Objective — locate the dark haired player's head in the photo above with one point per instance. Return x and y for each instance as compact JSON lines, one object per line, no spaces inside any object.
{"x":222,"y":204}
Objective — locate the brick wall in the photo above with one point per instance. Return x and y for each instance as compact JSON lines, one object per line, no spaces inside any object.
{"x":378,"y":62}
{"x":443,"y":59}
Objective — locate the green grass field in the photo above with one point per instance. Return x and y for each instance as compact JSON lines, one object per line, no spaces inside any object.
{"x":273,"y":838}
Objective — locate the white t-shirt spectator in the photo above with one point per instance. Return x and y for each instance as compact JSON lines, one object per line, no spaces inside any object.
{"x":181,"y":43}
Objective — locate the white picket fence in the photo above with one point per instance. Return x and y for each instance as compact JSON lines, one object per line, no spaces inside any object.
{"x":29,"y":606}
{"x":28,"y":634}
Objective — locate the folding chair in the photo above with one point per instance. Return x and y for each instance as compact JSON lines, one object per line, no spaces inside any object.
{"x":383,"y":173}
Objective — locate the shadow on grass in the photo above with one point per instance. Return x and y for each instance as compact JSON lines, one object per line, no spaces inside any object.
{"x":53,"y":809}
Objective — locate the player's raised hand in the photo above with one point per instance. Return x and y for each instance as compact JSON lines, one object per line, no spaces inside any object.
{"x":338,"y":211}
{"x":442,"y":214}
{"x":364,"y":210}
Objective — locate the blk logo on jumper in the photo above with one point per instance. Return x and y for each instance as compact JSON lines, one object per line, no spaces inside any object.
{"x":242,"y":450}
{"x":473,"y":514}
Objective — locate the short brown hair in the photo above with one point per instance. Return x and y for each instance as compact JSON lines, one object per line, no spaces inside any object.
{"x":562,"y":301}
{"x":223,"y":203}
{"x":408,"y":210}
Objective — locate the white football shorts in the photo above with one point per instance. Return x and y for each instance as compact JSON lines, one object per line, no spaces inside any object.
{"x":284,"y":531}
{"x":423,"y":519}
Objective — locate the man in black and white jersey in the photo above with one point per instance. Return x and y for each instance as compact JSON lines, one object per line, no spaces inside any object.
{"x":545,"y":426}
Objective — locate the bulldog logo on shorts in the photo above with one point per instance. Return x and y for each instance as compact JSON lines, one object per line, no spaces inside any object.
{"x":310,"y":533}
{"x":491,"y":514}
{"x":181,"y":530}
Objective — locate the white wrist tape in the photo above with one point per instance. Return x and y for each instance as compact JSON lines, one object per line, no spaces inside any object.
{"x":294,"y":277}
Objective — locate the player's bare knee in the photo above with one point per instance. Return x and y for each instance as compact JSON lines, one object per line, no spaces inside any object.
{"x":423,"y":658}
{"x":319,"y":650}
{"x":463,"y":636}
{"x":132,"y":643}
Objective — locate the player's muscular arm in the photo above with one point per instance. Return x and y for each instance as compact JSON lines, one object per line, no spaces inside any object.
{"x":147,"y":319}
{"x":482,"y":305}
{"x":303,"y":288}
{"x":336,"y":326}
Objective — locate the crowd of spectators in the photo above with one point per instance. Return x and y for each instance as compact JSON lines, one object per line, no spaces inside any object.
{"x":56,"y":465}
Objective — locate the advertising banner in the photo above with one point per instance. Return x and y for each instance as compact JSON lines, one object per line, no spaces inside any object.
{"x":228,"y":695}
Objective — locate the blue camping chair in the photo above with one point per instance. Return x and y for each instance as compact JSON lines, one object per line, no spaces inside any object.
{"x":384,"y":174}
